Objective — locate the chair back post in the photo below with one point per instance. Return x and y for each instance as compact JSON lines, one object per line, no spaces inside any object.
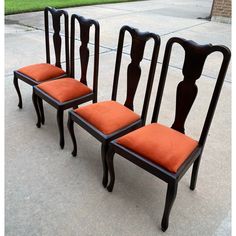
{"x":118,"y":62}
{"x":85,"y":25}
{"x":139,"y":40}
{"x":56,"y":22}
{"x":157,"y":42}
{"x":216,"y":93}
{"x":164,"y":70}
{"x":72,"y":47}
{"x":96,"y":60}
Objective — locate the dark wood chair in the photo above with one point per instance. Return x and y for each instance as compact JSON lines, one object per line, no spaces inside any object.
{"x":109,"y":119}
{"x":69,"y":92}
{"x":38,"y":73}
{"x":166,"y":152}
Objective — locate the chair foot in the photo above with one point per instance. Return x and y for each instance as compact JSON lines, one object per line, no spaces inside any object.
{"x":74,"y":153}
{"x":170,"y":198}
{"x":62,"y":144}
{"x":110,"y":158}
{"x":15,"y":81}
{"x":104,"y":181}
{"x":70,"y":126}
{"x":109,"y":188}
{"x":164,"y":228}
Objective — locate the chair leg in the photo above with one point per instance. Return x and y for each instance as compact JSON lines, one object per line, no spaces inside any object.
{"x":110,"y":158}
{"x":195,"y":173}
{"x":15,"y":81}
{"x":70,"y":125}
{"x":60,"y":126}
{"x":36,"y":106}
{"x":104,"y":164}
{"x":170,"y":198}
{"x":40,"y":102}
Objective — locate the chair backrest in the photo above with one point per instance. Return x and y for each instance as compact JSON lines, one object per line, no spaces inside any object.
{"x":85,"y":25}
{"x":139,"y":40}
{"x":56,"y":23}
{"x":195,"y":57}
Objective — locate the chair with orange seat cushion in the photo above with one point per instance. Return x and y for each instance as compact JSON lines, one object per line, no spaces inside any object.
{"x":108,"y":120}
{"x":68,"y":92}
{"x":167,"y":152}
{"x":38,"y":73}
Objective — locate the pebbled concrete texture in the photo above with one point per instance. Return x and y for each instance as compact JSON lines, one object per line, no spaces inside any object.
{"x":49,"y":192}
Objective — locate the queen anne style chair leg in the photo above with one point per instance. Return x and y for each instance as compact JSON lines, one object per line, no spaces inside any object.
{"x":36,"y":106}
{"x":70,"y":125}
{"x":110,"y":160}
{"x":170,"y":198}
{"x":15,"y":81}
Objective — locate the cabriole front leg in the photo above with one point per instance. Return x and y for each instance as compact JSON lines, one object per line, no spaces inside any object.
{"x":15,"y":81}
{"x":70,"y":125}
{"x":36,"y":106}
{"x":170,"y":198}
{"x":110,"y":158}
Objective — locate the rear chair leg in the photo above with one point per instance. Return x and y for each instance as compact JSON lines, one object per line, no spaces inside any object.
{"x":15,"y":81}
{"x":40,"y":102}
{"x":36,"y":106}
{"x":60,"y":126}
{"x":195,"y":173}
{"x":170,"y":198}
{"x":110,"y":158}
{"x":70,"y":125}
{"x":104,"y":164}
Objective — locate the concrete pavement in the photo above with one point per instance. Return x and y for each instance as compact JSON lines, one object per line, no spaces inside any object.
{"x":48,"y":192}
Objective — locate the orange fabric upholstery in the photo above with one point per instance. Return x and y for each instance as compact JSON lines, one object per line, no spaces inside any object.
{"x":64,"y":89}
{"x":160,"y":144}
{"x":108,"y":116}
{"x":42,"y":72}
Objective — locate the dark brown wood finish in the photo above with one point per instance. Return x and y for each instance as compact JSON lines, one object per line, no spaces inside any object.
{"x":195,"y":56}
{"x":85,"y":25}
{"x":56,"y":21}
{"x":139,"y":40}
{"x":38,"y":94}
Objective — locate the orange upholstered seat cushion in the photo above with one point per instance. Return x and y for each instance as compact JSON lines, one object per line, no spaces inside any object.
{"x":108,"y":116}
{"x":160,"y":144}
{"x":42,"y":72}
{"x":64,"y":89}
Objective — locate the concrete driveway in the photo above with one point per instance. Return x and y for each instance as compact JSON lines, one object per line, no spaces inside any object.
{"x":48,"y":192}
